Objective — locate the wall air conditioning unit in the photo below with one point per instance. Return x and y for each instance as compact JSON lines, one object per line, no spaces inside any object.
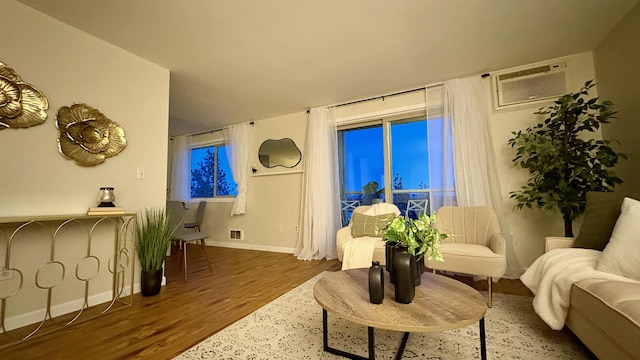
{"x":529,"y":85}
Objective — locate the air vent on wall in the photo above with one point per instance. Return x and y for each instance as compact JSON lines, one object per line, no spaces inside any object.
{"x":529,"y":85}
{"x":236,"y":234}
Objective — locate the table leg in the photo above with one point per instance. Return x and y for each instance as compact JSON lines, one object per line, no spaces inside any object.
{"x":403,"y":344}
{"x":483,"y":344}
{"x":372,"y":350}
{"x":327,"y":348}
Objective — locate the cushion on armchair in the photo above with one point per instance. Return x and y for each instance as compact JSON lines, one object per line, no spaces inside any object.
{"x":369,"y":225}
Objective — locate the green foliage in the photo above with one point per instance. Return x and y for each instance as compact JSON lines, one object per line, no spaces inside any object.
{"x":202,"y":179}
{"x":153,"y":238}
{"x":418,"y":235}
{"x":371,"y":188}
{"x":564,"y":166}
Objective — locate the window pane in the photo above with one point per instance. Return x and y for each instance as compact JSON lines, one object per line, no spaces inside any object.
{"x":202,"y":165}
{"x":225,"y":186}
{"x":362,"y":162}
{"x":410,"y":163}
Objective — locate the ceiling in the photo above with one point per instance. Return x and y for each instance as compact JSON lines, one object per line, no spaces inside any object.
{"x":234,"y":61}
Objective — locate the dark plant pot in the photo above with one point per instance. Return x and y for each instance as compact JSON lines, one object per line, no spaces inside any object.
{"x":389,"y":255}
{"x":404,"y":267}
{"x":376,"y":283}
{"x":150,"y":282}
{"x":419,"y":270}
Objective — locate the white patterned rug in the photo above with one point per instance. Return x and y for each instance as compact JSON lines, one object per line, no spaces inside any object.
{"x":290,"y":327}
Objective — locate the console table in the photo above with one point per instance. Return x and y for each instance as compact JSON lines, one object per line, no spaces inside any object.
{"x":53,"y":267}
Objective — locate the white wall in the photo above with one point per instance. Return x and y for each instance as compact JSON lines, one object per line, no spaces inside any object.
{"x":273,"y":201}
{"x":69,"y":66}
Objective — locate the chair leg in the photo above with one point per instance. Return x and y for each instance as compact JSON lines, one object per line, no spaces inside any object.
{"x":204,"y":248}
{"x":490,"y":291}
{"x":184,"y":258}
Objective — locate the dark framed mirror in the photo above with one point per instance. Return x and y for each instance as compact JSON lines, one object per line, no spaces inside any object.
{"x":282,"y":152}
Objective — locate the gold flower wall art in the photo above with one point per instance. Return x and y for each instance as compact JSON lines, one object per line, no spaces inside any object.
{"x":21,"y":104}
{"x":88,"y":136}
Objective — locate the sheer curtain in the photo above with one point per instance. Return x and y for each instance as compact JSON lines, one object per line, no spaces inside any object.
{"x":477,"y":183}
{"x":439,"y":150}
{"x":320,"y":209}
{"x":236,"y":139}
{"x":179,"y":187}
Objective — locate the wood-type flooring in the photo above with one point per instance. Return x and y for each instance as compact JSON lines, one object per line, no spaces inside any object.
{"x":183,"y":314}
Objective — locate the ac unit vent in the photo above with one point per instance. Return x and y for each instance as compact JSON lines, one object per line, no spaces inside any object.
{"x":530,"y":85}
{"x":236,"y":234}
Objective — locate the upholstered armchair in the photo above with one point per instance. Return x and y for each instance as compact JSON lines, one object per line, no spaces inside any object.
{"x":476,"y":246}
{"x":362,"y":230}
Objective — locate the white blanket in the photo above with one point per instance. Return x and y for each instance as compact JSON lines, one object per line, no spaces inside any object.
{"x":358,"y":252}
{"x":550,"y":278}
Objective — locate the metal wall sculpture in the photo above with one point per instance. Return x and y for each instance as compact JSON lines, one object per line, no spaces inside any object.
{"x":21,"y":104}
{"x":88,"y":136}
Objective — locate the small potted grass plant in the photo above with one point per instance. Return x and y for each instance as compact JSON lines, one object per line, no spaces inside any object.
{"x":153,"y":239}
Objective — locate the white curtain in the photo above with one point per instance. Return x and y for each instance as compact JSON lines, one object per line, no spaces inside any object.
{"x":320,"y":209}
{"x":179,"y":187}
{"x":477,"y":184}
{"x":236,"y":139}
{"x":439,"y":150}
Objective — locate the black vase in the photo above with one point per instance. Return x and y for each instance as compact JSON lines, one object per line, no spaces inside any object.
{"x":419,"y":270}
{"x":404,"y":267}
{"x":150,"y":282}
{"x":376,"y":283}
{"x":389,"y":252}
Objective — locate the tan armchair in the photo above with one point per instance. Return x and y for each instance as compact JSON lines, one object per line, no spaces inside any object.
{"x":477,"y":246}
{"x":344,"y":234}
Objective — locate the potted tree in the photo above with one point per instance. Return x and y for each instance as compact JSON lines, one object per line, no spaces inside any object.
{"x":153,"y":239}
{"x":562,"y":163}
{"x":371,"y":193}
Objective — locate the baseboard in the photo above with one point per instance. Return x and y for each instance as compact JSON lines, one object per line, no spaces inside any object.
{"x":36,"y":316}
{"x":245,"y":246}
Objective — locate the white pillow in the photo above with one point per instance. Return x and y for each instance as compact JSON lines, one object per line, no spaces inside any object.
{"x":382,"y":208}
{"x":621,"y":256}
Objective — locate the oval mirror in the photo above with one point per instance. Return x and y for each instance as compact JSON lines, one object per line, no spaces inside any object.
{"x":283,"y":152}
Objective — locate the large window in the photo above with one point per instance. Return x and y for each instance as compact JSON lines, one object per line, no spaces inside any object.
{"x":210,"y":173}
{"x":407,"y":154}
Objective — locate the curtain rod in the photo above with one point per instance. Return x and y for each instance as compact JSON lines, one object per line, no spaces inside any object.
{"x":206,"y":132}
{"x":391,"y":94}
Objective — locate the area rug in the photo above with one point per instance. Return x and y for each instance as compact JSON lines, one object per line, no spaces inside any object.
{"x":290,"y":327}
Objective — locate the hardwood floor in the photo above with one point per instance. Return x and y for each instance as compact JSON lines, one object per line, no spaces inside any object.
{"x":183,"y":314}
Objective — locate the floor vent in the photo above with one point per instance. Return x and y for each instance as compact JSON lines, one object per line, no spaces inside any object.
{"x":236,"y":234}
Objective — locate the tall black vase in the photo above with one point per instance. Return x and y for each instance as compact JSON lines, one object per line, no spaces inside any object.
{"x":376,"y":283}
{"x":419,"y":270}
{"x":404,"y":267}
{"x":389,"y":254}
{"x":150,"y":282}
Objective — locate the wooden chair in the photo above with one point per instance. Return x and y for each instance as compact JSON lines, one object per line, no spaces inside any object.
{"x":182,"y":236}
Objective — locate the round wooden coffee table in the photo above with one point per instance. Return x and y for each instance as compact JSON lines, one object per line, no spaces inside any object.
{"x":440,"y":304}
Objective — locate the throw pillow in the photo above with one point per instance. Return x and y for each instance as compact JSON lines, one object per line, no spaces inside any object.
{"x":369,"y":225}
{"x":600,"y":215}
{"x":622,"y":255}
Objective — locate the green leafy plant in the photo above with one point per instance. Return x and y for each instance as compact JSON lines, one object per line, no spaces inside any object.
{"x":153,"y":238}
{"x":371,"y":188}
{"x":418,"y":235}
{"x":563,"y":165}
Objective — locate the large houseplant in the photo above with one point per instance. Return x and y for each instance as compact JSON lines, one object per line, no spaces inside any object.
{"x":563,"y":165}
{"x":153,"y":239}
